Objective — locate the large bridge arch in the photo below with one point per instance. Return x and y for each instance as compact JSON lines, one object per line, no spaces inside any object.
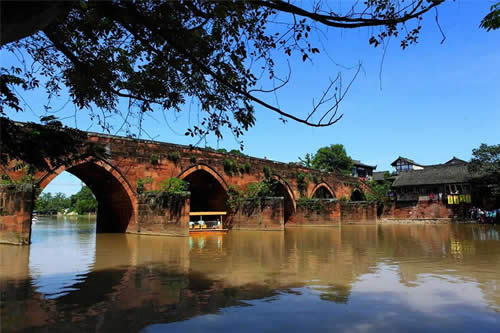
{"x":116,"y":200}
{"x":322,"y":191}
{"x":289,"y":203}
{"x":208,"y":188}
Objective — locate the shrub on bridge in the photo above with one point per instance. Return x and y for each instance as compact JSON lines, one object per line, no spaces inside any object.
{"x":155,"y":159}
{"x":253,"y":197}
{"x":142,"y":182}
{"x":315,"y":205}
{"x":302,"y":182}
{"x":173,"y":156}
{"x":267,"y":171}
{"x":230,"y":166}
{"x":172,"y":194}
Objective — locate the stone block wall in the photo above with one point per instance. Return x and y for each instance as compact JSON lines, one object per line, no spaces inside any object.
{"x":424,"y":209}
{"x":16,"y":202}
{"x":327,"y":215}
{"x":269,"y":216}
{"x":358,"y":212}
{"x":158,"y":220}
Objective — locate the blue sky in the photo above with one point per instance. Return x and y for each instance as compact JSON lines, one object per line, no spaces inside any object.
{"x":436,"y":101}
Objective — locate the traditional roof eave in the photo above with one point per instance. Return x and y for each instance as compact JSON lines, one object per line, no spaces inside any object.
{"x":358,"y":163}
{"x":434,"y":175}
{"x":407,"y":160}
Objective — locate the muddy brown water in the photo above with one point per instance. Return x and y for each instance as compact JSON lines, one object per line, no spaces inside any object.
{"x":396,"y":278}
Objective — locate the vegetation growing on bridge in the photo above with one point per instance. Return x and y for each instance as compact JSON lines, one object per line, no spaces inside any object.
{"x":155,"y":159}
{"x":233,"y":167}
{"x":142,"y":182}
{"x":173,"y":193}
{"x":302,"y":182}
{"x":173,"y":156}
{"x":318,"y":206}
{"x":253,"y":197}
{"x":26,"y":178}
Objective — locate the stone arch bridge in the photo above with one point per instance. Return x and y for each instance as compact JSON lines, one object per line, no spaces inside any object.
{"x":210,"y":174}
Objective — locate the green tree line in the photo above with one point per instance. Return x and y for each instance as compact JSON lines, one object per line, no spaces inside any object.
{"x":82,"y":202}
{"x":330,"y":158}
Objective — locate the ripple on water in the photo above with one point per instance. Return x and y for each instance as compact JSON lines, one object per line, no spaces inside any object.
{"x":395,"y":278}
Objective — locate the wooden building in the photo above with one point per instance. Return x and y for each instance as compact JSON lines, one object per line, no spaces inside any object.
{"x":362,"y":170}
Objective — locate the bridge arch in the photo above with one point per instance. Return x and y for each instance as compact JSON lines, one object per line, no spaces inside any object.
{"x":322,"y":191}
{"x":282,"y":189}
{"x":208,"y":189}
{"x":207,"y":169}
{"x":357,"y":195}
{"x":116,"y":200}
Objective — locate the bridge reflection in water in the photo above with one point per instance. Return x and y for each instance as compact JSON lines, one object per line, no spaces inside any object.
{"x":372,"y":277}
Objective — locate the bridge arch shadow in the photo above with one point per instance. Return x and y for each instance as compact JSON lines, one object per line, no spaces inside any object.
{"x":357,"y":195}
{"x":282,"y":189}
{"x":322,"y":191}
{"x":116,"y":201}
{"x":208,"y":189}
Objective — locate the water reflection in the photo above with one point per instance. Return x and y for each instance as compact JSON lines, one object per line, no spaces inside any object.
{"x":353,"y":278}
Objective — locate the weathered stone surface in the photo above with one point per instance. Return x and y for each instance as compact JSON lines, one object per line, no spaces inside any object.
{"x":114,"y":182}
{"x":15,"y":213}
{"x":328,"y":215}
{"x":424,"y":209}
{"x":358,"y":212}
{"x":154,"y":219}
{"x":268,"y":216}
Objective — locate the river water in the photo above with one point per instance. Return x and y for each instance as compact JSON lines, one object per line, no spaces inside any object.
{"x":342,"y":279}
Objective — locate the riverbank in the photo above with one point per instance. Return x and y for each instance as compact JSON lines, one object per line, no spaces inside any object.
{"x":67,"y":215}
{"x":426,"y":221}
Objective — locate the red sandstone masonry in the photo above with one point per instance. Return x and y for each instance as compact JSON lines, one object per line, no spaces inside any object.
{"x":15,"y":214}
{"x":425,"y":209}
{"x":156,"y":220}
{"x":269,"y":217}
{"x":358,"y":212}
{"x":330,"y":216}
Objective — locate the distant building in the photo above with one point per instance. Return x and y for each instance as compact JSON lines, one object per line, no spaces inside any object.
{"x":433,"y":182}
{"x":456,"y":160}
{"x":362,"y":170}
{"x":380,"y":176}
{"x":405,"y":164}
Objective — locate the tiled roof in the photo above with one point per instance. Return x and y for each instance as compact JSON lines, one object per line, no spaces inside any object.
{"x":379,"y":175}
{"x":406,"y":160}
{"x":433,"y":175}
{"x":456,"y":160}
{"x":358,"y":163}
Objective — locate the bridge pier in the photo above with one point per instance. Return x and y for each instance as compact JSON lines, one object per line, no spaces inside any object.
{"x":268,"y":215}
{"x":157,"y":217}
{"x":16,"y":206}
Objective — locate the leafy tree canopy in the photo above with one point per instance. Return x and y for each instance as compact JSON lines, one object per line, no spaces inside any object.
{"x":485,"y":162}
{"x":40,"y":146}
{"x":82,"y":202}
{"x":492,"y":20}
{"x":379,"y":190}
{"x":331,"y":158}
{"x":162,"y":54}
